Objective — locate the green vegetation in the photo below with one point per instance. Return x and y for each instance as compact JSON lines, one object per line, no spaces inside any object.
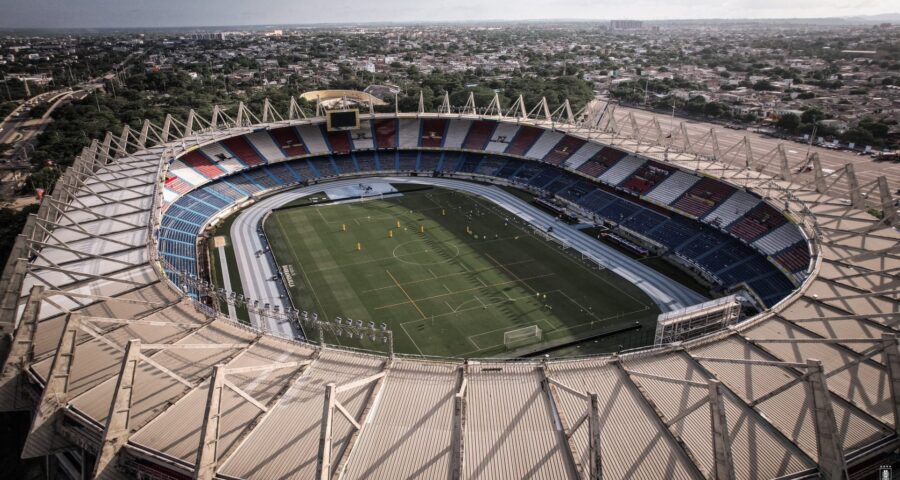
{"x":11,"y":224}
{"x":446,"y":291}
{"x":6,"y":108}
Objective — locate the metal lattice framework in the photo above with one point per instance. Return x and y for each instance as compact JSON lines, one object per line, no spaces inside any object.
{"x":112,"y":357}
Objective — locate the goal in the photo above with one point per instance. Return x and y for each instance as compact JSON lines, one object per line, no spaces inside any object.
{"x":522,"y":336}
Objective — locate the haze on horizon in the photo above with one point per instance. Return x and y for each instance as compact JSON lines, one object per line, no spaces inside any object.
{"x":187,"y":13}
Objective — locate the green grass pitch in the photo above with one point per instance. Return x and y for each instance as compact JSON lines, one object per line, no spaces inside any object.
{"x":455,"y":275}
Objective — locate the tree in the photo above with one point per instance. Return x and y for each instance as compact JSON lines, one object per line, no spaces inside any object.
{"x":788,"y":122}
{"x":812,"y":116}
{"x":859,"y":136}
{"x":715,"y":109}
{"x":11,"y":224}
{"x":764,"y":86}
{"x":877,"y":129}
{"x":695,"y":104}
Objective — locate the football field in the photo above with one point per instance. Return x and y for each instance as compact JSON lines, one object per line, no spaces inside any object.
{"x":449,"y":274}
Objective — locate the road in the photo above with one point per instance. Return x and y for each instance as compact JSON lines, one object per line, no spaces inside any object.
{"x":256,"y":273}
{"x":18,"y":129}
{"x":866,"y":170}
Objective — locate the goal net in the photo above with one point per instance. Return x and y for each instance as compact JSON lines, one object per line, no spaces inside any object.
{"x":522,"y":336}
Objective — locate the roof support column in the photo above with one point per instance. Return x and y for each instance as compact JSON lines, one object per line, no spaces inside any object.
{"x":856,"y":198}
{"x":783,"y":163}
{"x":892,"y":360}
{"x":20,"y":351}
{"x":209,"y":432}
{"x":818,"y":174}
{"x":145,"y":131}
{"x":596,"y":459}
{"x":457,"y":442}
{"x":888,"y":209}
{"x":724,"y":466}
{"x":167,"y":125}
{"x":41,"y":436}
{"x":831,"y":456}
{"x":116,"y":433}
{"x":567,"y":431}
{"x":323,"y":468}
{"x":459,"y":430}
{"x":354,"y":437}
{"x":12,"y":281}
{"x":122,"y":147}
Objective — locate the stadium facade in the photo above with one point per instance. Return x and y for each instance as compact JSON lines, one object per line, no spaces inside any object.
{"x":130,"y":375}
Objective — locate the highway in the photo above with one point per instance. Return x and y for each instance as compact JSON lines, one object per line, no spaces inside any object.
{"x":866,"y":170}
{"x":19,"y":130}
{"x":256,"y":273}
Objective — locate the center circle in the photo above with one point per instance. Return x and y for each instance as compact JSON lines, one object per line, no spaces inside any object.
{"x":419,"y":252}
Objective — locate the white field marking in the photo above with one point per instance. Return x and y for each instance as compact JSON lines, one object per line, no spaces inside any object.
{"x":381,"y":259}
{"x":470,"y":337}
{"x":302,"y":270}
{"x":545,"y":320}
{"x":459,"y":309}
{"x":368,"y":218}
{"x":464,"y":291}
{"x":580,"y":264}
{"x":424,"y":251}
{"x":406,"y":295}
{"x":411,"y":339}
{"x":319,"y":211}
{"x":592,"y":272}
{"x":433,"y":274}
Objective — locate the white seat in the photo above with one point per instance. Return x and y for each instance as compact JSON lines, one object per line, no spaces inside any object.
{"x":409,"y":133}
{"x":186,"y":173}
{"x":544,"y":144}
{"x":733,"y":208}
{"x":503,"y":134}
{"x":673,"y":187}
{"x":585,"y":153}
{"x":622,"y":170}
{"x":779,"y":239}
{"x":362,"y":139}
{"x":264,"y":144}
{"x":456,"y":133}
{"x":313,"y":138}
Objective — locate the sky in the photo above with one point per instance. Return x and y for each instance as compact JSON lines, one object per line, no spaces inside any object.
{"x":186,"y":13}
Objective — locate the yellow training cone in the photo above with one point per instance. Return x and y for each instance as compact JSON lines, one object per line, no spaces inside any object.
{"x":343,"y":227}
{"x":358,"y":246}
{"x":422,"y":229}
{"x":390,"y":234}
{"x":398,"y":223}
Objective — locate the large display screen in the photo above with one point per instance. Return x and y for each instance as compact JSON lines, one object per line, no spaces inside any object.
{"x":343,"y":120}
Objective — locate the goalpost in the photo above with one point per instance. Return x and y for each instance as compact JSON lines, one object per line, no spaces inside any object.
{"x":522,"y":336}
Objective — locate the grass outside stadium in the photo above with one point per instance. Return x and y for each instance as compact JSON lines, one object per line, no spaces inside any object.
{"x":450,"y":274}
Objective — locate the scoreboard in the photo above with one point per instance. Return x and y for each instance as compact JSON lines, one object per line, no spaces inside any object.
{"x":340,"y":120}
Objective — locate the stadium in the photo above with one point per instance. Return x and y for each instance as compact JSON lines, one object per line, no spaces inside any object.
{"x":248,"y":296}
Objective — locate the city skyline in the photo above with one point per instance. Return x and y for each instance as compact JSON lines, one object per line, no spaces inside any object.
{"x":52,"y":14}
